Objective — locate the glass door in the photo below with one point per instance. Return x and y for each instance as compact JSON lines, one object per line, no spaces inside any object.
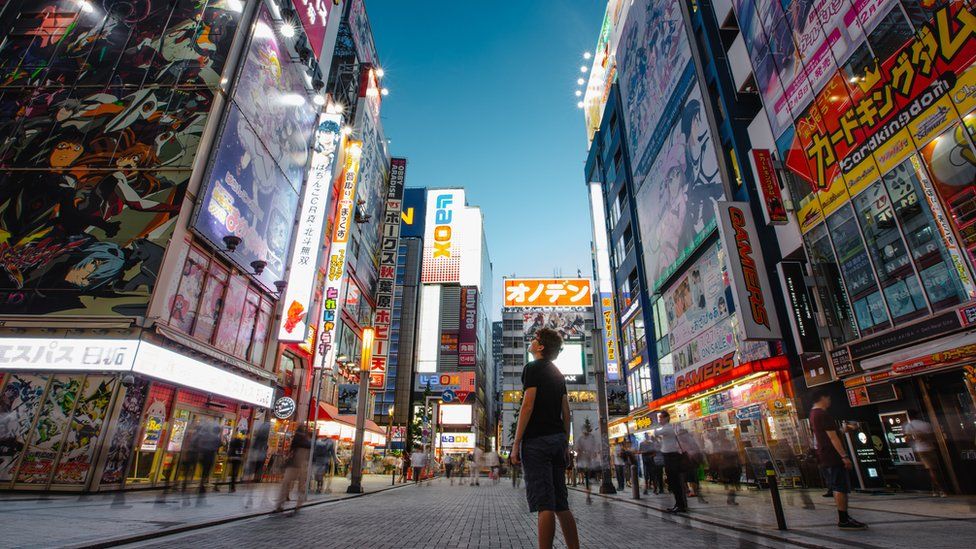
{"x":956,"y":418}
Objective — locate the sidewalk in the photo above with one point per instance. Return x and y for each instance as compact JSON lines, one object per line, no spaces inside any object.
{"x":56,"y":520}
{"x":895,"y":520}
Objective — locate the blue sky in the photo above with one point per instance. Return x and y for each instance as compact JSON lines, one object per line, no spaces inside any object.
{"x":481,"y":96}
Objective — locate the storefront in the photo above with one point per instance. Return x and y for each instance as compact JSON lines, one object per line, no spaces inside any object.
{"x":342,"y":429}
{"x":749,"y":407}
{"x":87,"y":414}
{"x":928,"y":387}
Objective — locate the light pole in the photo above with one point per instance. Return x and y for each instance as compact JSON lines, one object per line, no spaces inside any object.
{"x":603,"y":410}
{"x":389,"y":430}
{"x":356,"y":467}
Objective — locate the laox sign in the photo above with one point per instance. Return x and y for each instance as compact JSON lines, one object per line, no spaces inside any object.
{"x":443,"y":215}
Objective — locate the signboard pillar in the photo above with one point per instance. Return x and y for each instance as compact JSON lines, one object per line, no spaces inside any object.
{"x":606,"y":485}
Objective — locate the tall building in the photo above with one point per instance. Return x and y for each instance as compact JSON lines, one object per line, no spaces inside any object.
{"x":454,"y":335}
{"x":699,"y":330}
{"x":154,"y":276}
{"x":863,"y":152}
{"x":532,"y":304}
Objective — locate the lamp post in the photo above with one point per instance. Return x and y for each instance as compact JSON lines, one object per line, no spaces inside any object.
{"x":603,"y":410}
{"x":389,"y":429}
{"x":356,"y":467}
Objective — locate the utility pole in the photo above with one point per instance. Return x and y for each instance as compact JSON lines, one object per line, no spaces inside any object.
{"x":603,"y":410}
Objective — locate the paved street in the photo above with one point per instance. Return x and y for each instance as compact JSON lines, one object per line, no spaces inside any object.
{"x":52,"y":520}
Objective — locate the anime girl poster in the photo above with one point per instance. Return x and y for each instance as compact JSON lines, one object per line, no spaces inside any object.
{"x":85,"y":430}
{"x":49,"y":431}
{"x":19,"y":403}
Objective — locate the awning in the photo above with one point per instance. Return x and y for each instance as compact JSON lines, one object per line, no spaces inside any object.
{"x":920,"y":352}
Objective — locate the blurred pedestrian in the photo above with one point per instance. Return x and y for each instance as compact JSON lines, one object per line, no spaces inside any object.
{"x":833,"y":458}
{"x":724,"y":462}
{"x":494,"y":464}
{"x":418,"y":461}
{"x":207,"y":444}
{"x":649,"y":448}
{"x":449,"y":468}
{"x":695,"y":463}
{"x":190,"y":456}
{"x":676,"y":461}
{"x":321,"y":461}
{"x":921,"y":436}
{"x":587,"y":458}
{"x":259,"y":449}
{"x":477,"y":461}
{"x":405,"y":472}
{"x":541,"y":441}
{"x":235,"y":455}
{"x":296,"y":469}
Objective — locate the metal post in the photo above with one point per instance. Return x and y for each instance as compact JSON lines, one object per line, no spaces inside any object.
{"x":634,"y":482}
{"x":603,"y":410}
{"x":315,"y":427}
{"x":774,"y":492}
{"x":356,"y":467}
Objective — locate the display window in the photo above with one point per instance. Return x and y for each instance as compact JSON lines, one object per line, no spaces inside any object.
{"x":830,"y":285}
{"x":862,"y":287}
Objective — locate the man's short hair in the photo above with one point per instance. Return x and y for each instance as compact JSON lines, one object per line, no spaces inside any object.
{"x":819,"y":394}
{"x":551,"y":343}
{"x":664,"y":414}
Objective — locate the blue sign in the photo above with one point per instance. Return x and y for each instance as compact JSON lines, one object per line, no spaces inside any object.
{"x":413,"y":213}
{"x":447,"y":396}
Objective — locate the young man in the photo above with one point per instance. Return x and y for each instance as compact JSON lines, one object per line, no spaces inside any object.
{"x":672,"y":449}
{"x":834,"y":461}
{"x":542,"y":440}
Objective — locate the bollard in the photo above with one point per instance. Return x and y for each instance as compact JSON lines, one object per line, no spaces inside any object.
{"x":393,"y":476}
{"x":774,"y":492}
{"x":634,"y":482}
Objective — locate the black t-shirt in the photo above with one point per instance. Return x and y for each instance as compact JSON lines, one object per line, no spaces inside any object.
{"x":547,"y":413}
{"x":822,"y":422}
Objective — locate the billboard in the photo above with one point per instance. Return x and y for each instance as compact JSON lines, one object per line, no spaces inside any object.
{"x":386,"y":282}
{"x":414,"y":212}
{"x":654,"y":65}
{"x":442,"y":241}
{"x":362,"y":35}
{"x":456,"y":414}
{"x":699,"y":298}
{"x":747,"y":269}
{"x":468,"y":333}
{"x":94,"y":176}
{"x":308,"y":238}
{"x":315,"y":17}
{"x":336,"y":266}
{"x":569,"y":362}
{"x":675,"y":208}
{"x":548,"y":292}
{"x":457,"y":441}
{"x":569,"y":324}
{"x":458,"y":382}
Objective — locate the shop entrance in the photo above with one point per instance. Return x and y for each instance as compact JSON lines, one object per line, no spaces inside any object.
{"x":952,"y":401}
{"x":174,"y":439}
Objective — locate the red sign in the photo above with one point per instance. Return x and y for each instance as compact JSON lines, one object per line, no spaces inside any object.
{"x":714,"y":368}
{"x":315,"y":16}
{"x":942,"y":357}
{"x":769,"y":185}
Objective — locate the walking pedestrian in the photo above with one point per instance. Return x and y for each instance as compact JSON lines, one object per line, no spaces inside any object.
{"x":449,"y":468}
{"x":676,"y":461}
{"x":418,"y":460}
{"x":235,"y":455}
{"x":296,"y":469}
{"x":542,"y":440}
{"x":922,"y":438}
{"x":833,"y":458}
{"x":477,"y":460}
{"x":648,"y":449}
{"x":207,"y":443}
{"x":323,"y":460}
{"x":618,"y":465}
{"x":494,"y":463}
{"x":588,"y":459}
{"x":190,"y":457}
{"x":695,"y":462}
{"x":405,"y":472}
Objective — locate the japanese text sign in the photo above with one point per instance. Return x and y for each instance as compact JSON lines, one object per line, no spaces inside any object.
{"x":548,"y":292}
{"x":386,"y":283}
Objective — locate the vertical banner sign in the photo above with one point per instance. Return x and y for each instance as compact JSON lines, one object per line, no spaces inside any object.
{"x":389,"y":247}
{"x":335,"y":270}
{"x":609,"y":336}
{"x":802,"y":317}
{"x":468,"y":334}
{"x":314,"y":15}
{"x":308,"y":237}
{"x":769,"y":186}
{"x":753,"y":295}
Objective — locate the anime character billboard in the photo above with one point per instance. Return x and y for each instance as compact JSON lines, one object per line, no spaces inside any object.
{"x":102,"y":105}
{"x":676,"y":203}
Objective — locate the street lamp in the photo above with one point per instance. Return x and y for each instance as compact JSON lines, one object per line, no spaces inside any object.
{"x":356,"y":467}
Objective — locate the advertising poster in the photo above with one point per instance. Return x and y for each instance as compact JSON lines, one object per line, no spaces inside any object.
{"x":248,"y":197}
{"x":548,"y":292}
{"x":315,"y":17}
{"x":386,"y":284}
{"x":699,"y":299}
{"x":654,"y":61}
{"x":85,"y":430}
{"x":96,"y":174}
{"x":413,"y":214}
{"x":19,"y":402}
{"x":468,"y":334}
{"x":362,"y":35}
{"x":120,"y":450}
{"x":348,"y":398}
{"x":676,"y":209}
{"x":373,"y":178}
{"x":49,"y":431}
{"x":449,"y":342}
{"x":311,"y":223}
{"x":569,"y":324}
{"x":442,"y":241}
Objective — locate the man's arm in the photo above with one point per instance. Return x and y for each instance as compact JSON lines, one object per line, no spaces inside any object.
{"x":525,"y":413}
{"x":839,"y":446}
{"x":566,"y":416}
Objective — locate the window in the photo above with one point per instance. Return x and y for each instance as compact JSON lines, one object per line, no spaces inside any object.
{"x":892,"y":32}
{"x":869,"y":308}
{"x":840,"y":317}
{"x":628,"y":239}
{"x":889,"y":254}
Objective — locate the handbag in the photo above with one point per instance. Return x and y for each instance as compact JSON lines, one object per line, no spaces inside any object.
{"x":686,"y":464}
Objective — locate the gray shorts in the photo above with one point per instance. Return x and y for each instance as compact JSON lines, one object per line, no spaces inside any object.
{"x":544,"y":467}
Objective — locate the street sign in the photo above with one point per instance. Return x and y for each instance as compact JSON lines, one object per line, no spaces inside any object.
{"x":447,"y":396}
{"x":284,"y":407}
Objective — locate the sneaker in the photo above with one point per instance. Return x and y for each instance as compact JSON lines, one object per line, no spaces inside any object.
{"x":828,"y":494}
{"x":851,"y":524}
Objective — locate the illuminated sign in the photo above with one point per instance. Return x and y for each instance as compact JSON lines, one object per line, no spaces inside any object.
{"x":457,"y":441}
{"x":335,"y":269}
{"x":753,"y":296}
{"x":456,"y":414}
{"x":617,"y":430}
{"x":386,"y":283}
{"x":468,"y":333}
{"x":446,"y":381}
{"x":308,"y":237}
{"x":442,"y":257}
{"x":707,"y":371}
{"x":769,"y":185}
{"x":548,"y":292}
{"x":314,"y":15}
